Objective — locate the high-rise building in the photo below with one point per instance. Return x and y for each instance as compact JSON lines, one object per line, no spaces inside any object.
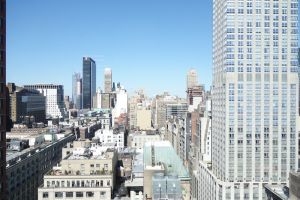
{"x":77,"y":90}
{"x":107,"y":80}
{"x":3,"y":109}
{"x":55,"y":105}
{"x":26,"y":104}
{"x":254,"y":98}
{"x":88,"y":82}
{"x":192,"y":78}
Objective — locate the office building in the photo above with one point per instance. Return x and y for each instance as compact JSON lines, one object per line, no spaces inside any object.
{"x":254,"y":98}
{"x":192,"y":78}
{"x":176,"y":110}
{"x":31,"y":153}
{"x":26,"y":103}
{"x":107,"y":80}
{"x":165,"y":106}
{"x":195,"y":96}
{"x":111,"y":137}
{"x":121,"y":102}
{"x":105,"y":100}
{"x":88,"y":82}
{"x":3,"y":106}
{"x":87,"y":171}
{"x":138,"y":101}
{"x":55,"y":105}
{"x":77,"y":91}
{"x":143,"y":119}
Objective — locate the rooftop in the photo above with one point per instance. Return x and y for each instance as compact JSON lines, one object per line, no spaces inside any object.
{"x":162,"y":153}
{"x":14,"y":157}
{"x":279,"y":191}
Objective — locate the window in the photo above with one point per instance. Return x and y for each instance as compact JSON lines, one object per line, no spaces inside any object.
{"x":59,"y":195}
{"x":79,"y":194}
{"x":45,"y":195}
{"x":102,"y":194}
{"x":69,"y":194}
{"x":90,"y":194}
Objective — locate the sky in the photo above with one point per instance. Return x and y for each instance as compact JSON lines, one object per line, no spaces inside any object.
{"x":149,"y":44}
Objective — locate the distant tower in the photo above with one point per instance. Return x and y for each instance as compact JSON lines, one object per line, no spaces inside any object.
{"x":192,"y":78}
{"x":107,"y":80}
{"x":77,"y":90}
{"x":88,"y":82}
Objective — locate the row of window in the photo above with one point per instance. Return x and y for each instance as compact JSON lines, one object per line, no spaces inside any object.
{"x":59,"y":195}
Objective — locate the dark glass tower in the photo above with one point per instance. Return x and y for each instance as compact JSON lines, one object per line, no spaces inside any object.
{"x":3,"y":109}
{"x":88,"y":82}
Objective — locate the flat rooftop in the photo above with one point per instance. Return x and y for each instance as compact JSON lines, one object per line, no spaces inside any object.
{"x":164,"y":154}
{"x":278,"y":191}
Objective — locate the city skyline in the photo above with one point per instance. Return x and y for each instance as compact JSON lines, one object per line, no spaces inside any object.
{"x":137,"y":40}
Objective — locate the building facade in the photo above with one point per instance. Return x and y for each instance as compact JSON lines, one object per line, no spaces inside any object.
{"x":107,"y":80}
{"x":87,"y":172}
{"x":77,"y":90}
{"x":88,"y":82}
{"x":26,"y":168}
{"x":55,"y":105}
{"x":192,"y":78}
{"x":254,"y":98}
{"x":25,"y":103}
{"x":3,"y":108}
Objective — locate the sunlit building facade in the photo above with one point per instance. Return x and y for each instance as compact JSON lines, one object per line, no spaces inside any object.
{"x":255,"y":95}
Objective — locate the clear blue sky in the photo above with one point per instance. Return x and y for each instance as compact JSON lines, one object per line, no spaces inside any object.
{"x":149,"y":44}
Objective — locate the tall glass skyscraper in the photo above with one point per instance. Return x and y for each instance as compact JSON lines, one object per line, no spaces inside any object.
{"x":255,"y":98}
{"x":3,"y":103}
{"x":77,"y":90}
{"x":88,"y":82}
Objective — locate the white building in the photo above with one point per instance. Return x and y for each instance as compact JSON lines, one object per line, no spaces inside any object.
{"x":113,"y":137}
{"x":192,"y":78}
{"x":138,"y":139}
{"x":121,"y":102}
{"x":98,"y":98}
{"x":55,"y":106}
{"x":85,"y":173}
{"x":254,"y":98}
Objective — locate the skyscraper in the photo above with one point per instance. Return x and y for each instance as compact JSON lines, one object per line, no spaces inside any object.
{"x":254,"y":98}
{"x":77,"y":90}
{"x":88,"y":82}
{"x":192,"y":78}
{"x":107,"y":80}
{"x":3,"y":111}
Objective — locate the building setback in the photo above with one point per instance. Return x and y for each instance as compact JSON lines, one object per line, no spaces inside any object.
{"x":3,"y":109}
{"x":88,"y":82}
